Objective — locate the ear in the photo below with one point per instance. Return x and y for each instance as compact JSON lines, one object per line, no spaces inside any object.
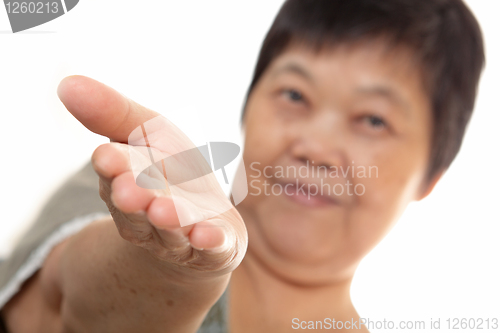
{"x":428,"y":187}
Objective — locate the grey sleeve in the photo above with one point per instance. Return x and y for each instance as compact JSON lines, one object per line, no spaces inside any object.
{"x":76,"y":201}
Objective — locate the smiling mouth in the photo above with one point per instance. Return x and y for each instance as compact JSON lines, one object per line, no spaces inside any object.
{"x":309,"y":195}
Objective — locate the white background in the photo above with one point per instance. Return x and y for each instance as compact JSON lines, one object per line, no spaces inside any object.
{"x":192,"y":61}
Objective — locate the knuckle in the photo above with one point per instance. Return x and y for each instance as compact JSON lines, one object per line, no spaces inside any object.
{"x":136,"y":237}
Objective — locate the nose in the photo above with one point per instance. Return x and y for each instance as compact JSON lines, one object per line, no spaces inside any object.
{"x":321,"y":140}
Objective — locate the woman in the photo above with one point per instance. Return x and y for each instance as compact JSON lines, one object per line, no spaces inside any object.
{"x":371,"y":98}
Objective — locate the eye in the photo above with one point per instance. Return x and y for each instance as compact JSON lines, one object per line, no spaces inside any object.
{"x":375,"y":122}
{"x":293,"y":95}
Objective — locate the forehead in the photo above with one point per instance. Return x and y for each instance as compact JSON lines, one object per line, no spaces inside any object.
{"x":374,"y":56}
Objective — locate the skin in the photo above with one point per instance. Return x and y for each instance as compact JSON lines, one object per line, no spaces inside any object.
{"x":354,"y":106}
{"x":348,"y":106}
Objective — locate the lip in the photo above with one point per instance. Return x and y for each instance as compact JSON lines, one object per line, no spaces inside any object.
{"x":296,"y":191}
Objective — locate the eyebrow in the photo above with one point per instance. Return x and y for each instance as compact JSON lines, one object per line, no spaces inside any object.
{"x":294,"y":68}
{"x":386,"y":92}
{"x":375,"y":90}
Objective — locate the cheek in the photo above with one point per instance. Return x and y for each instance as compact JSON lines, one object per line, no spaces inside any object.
{"x":265,"y":138}
{"x":265,"y":142}
{"x":391,"y":186}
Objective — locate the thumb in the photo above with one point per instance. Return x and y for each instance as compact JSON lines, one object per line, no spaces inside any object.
{"x":102,"y":109}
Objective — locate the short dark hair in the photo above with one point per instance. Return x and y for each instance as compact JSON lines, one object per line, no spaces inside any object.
{"x":443,"y":34}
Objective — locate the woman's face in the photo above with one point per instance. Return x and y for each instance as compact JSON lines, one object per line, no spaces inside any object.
{"x":336,"y":146}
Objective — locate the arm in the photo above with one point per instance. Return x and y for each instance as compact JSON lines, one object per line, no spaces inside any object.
{"x":108,"y":284}
{"x":135,"y":271}
{"x":84,"y":286}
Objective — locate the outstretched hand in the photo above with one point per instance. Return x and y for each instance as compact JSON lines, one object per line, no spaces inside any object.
{"x":145,"y":217}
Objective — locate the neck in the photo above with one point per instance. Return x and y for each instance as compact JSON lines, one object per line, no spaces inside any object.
{"x":262,"y":299}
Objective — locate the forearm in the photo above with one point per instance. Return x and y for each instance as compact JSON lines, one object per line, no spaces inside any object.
{"x":108,"y":284}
